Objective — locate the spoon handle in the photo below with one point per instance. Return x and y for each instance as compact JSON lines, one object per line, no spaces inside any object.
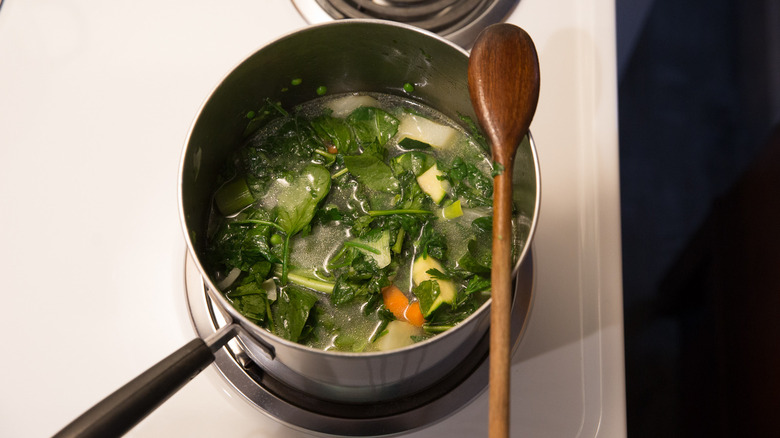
{"x":500,"y":312}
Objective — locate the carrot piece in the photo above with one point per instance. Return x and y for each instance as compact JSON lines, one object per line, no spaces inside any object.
{"x":414,"y":314}
{"x":395,"y":301}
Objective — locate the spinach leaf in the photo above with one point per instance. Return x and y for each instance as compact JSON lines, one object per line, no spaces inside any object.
{"x":431,"y":243}
{"x":335,"y":132}
{"x":357,"y":276}
{"x":371,"y":124}
{"x":269,"y":152}
{"x":251,"y":300}
{"x":291,"y":312}
{"x":372,"y":173}
{"x":414,"y":162}
{"x":427,"y":292}
{"x":375,"y":178}
{"x":297,"y":204}
{"x":240,"y":244}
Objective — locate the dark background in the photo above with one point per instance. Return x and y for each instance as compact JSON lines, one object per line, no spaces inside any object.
{"x":699,"y":100}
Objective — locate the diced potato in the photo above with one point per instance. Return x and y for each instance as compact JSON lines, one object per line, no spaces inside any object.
{"x":399,"y":334}
{"x":343,"y":106}
{"x":431,"y":184}
{"x":427,"y":131}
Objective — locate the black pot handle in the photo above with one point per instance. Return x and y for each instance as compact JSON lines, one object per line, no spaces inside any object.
{"x":127,"y":406}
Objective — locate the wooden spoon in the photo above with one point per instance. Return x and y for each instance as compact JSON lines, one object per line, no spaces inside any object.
{"x":503,"y":77}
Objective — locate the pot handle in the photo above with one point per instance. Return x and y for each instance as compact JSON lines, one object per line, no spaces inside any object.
{"x":128,"y":405}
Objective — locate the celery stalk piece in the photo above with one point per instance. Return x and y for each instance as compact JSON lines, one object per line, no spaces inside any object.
{"x":233,"y":197}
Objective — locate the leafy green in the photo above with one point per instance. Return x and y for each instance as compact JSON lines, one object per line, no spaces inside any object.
{"x":297,"y":203}
{"x":469,"y":183}
{"x":477,"y":284}
{"x":291,"y":312}
{"x":414,"y":162}
{"x":372,"y":173}
{"x":356,"y":270}
{"x":431,"y":243}
{"x":251,"y":300}
{"x":372,"y":125}
{"x":335,"y":132}
{"x":239,"y":244}
{"x":427,"y":292}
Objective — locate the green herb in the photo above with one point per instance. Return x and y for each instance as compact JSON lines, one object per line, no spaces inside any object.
{"x":408,"y":87}
{"x":470,"y":184}
{"x":498,"y":169}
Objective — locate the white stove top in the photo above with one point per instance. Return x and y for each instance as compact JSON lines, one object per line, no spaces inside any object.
{"x":96,"y":99}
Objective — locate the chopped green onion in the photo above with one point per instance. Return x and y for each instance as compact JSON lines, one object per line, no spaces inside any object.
{"x":321,"y":90}
{"x":408,"y":87}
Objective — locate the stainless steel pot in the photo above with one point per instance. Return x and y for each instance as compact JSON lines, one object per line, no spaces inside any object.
{"x":344,"y":56}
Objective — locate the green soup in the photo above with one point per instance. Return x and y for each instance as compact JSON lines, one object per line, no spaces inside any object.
{"x":357,"y":222}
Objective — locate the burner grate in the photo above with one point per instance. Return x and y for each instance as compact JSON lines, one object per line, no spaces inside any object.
{"x":433,"y":15}
{"x":458,"y":20}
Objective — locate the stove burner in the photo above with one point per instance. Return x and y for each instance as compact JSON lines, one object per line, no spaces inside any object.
{"x":457,"y":20}
{"x":300,"y":411}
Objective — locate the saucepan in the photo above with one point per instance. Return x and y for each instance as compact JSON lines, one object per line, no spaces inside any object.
{"x":345,"y":56}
